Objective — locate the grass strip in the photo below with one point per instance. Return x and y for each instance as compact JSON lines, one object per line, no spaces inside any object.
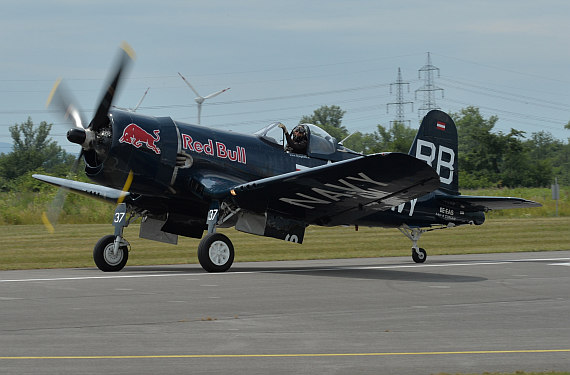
{"x":31,"y":246}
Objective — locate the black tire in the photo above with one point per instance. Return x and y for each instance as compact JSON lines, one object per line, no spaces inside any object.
{"x":104,"y":258}
{"x":421,"y":257}
{"x":216,"y":253}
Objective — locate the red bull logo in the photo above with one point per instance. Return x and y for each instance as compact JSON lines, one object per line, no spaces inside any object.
{"x":137,"y":136}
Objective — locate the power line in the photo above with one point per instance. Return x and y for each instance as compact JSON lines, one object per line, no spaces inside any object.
{"x":505,"y":70}
{"x":510,"y":96}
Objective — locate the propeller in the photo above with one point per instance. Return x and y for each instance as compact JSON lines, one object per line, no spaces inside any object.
{"x":62,"y":99}
{"x":200,"y":99}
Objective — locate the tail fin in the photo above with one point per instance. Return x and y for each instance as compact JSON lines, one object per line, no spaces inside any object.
{"x":436,"y":143}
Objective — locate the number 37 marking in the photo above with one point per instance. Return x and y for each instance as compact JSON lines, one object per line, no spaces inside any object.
{"x":212,"y":215}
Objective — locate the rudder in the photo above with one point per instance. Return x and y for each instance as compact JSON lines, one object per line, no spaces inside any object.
{"x":436,"y":143}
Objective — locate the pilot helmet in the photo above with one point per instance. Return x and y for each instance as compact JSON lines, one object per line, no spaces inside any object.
{"x":300,"y":128}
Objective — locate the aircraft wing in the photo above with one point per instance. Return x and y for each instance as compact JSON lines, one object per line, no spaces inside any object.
{"x":94,"y":191}
{"x":340,"y":192}
{"x":482,"y":203}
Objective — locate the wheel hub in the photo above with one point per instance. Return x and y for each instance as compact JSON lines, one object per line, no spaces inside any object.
{"x":219,"y":253}
{"x":111,"y":258}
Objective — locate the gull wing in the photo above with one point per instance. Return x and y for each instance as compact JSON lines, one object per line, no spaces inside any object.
{"x":341,"y":192}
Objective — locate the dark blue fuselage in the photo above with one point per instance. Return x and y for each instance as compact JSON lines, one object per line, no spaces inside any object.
{"x":216,"y":161}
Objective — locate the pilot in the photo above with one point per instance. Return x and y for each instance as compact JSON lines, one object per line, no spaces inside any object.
{"x":298,"y":142}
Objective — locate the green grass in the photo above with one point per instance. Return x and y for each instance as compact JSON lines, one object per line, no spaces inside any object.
{"x":30,"y":246}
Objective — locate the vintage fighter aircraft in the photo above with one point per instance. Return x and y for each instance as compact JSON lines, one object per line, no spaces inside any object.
{"x":185,"y":179}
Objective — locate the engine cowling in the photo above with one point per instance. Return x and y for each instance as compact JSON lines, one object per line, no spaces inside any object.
{"x":145,"y":145}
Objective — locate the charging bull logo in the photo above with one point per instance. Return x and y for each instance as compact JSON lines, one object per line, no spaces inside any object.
{"x":137,"y":136}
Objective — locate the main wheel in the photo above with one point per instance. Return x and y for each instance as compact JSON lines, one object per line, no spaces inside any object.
{"x":216,"y":253}
{"x":419,"y":256}
{"x":104,"y":257}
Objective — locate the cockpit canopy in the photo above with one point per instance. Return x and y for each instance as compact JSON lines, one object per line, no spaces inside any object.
{"x":319,"y":141}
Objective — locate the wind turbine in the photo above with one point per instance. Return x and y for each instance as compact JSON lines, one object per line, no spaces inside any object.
{"x":138,"y":104}
{"x":140,"y":101}
{"x":200,"y":99}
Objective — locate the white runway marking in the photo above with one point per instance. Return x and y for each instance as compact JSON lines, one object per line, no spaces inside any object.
{"x":560,"y":264}
{"x":292,"y":270}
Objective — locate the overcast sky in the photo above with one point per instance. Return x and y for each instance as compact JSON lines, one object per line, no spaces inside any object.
{"x":284,"y":59}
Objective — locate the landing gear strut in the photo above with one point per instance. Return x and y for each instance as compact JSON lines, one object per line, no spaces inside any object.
{"x":112,"y":251}
{"x":419,"y":255}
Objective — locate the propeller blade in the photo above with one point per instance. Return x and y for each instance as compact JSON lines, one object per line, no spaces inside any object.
{"x":100,"y":119}
{"x":189,"y":85}
{"x":51,"y":216}
{"x":126,"y":187}
{"x":61,"y":98}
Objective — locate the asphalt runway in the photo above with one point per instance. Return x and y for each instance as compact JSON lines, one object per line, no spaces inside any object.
{"x":470,"y":314}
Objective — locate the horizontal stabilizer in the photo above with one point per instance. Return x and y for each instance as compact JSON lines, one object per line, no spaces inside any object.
{"x":94,"y":191}
{"x":482,"y":203}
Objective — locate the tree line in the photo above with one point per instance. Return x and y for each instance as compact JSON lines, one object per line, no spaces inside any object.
{"x":487,"y":158}
{"x":32,"y":151}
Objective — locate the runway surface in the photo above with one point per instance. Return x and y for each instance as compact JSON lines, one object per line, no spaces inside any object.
{"x":471,"y":313}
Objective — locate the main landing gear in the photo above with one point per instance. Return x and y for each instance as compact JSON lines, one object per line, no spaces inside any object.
{"x":419,"y":255}
{"x":112,"y":251}
{"x":216,"y":251}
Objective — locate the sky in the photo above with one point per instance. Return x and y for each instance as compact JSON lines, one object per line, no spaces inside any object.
{"x":284,"y":59}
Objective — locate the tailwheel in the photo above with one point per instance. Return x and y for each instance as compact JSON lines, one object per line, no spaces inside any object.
{"x":419,"y":255}
{"x":108,"y":257}
{"x":216,"y":253}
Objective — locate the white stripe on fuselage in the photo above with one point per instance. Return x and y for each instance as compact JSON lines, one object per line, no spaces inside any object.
{"x":400,"y":207}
